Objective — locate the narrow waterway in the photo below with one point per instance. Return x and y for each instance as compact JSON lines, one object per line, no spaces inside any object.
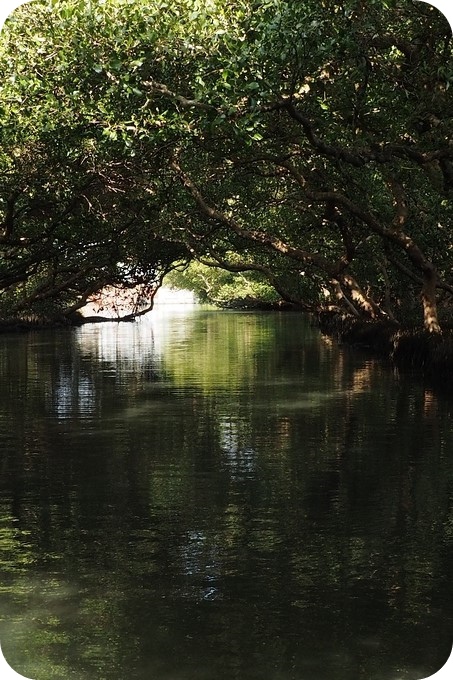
{"x":220,"y":496}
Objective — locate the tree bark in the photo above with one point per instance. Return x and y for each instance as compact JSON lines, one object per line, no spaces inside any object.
{"x":428,"y":296}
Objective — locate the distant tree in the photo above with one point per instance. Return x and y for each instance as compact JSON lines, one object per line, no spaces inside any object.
{"x":223,"y":287}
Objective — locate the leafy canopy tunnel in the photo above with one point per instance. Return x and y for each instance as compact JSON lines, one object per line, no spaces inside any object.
{"x":303,"y":146}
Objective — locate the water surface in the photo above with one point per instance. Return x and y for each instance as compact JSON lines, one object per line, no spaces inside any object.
{"x":214,"y":495}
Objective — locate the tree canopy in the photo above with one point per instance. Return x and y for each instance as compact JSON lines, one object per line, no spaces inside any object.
{"x":305,"y":145}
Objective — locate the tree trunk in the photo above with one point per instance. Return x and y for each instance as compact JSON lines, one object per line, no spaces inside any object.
{"x":360,"y":299}
{"x":428,"y":296}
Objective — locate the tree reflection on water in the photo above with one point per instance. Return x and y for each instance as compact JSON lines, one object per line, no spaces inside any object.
{"x":220,"y":495}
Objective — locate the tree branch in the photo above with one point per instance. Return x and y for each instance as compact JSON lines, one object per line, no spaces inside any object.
{"x":255,"y":235}
{"x":154,"y":86}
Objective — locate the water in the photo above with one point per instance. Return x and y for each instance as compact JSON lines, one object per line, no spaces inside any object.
{"x":214,"y":495}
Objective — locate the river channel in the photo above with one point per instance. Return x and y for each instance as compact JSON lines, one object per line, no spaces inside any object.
{"x":207,"y":495}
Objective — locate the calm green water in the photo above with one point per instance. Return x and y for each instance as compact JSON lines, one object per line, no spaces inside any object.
{"x":220,"y":496}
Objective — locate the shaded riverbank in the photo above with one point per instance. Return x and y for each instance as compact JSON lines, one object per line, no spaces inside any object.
{"x":430,"y":355}
{"x":73,"y":321}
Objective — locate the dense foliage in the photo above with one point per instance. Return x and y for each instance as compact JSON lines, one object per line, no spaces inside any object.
{"x":306,"y":145}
